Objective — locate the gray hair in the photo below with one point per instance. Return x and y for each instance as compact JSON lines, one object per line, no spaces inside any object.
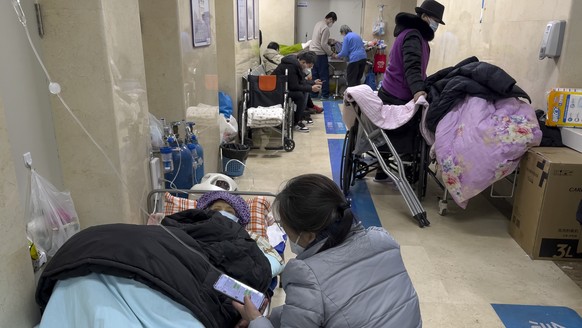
{"x":344,"y":29}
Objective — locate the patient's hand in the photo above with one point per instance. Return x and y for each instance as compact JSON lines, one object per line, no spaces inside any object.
{"x":155,"y":218}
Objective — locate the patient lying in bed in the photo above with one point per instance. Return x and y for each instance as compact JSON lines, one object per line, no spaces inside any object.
{"x":125,"y":275}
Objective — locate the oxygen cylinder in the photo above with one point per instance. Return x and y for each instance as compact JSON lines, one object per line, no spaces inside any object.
{"x":182,"y":173}
{"x":197,"y":159}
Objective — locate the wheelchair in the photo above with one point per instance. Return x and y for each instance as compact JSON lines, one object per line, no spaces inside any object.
{"x":261,"y":90}
{"x":409,"y":171}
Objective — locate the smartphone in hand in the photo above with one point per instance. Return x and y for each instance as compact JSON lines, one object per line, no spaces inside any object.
{"x":236,"y":290}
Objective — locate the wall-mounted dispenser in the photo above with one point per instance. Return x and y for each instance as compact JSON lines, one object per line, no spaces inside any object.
{"x":551,"y":45}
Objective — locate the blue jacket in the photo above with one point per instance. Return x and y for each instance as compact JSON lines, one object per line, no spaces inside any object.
{"x":353,"y":48}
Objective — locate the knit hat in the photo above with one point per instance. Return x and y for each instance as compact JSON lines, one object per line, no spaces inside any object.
{"x":236,"y":202}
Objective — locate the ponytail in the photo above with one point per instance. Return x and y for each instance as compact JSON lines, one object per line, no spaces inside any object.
{"x":339,"y":229}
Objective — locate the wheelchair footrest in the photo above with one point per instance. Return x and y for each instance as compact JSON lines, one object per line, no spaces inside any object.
{"x":274,"y":147}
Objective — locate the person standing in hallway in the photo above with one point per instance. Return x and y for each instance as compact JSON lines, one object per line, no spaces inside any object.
{"x":324,"y":284}
{"x":404,"y":78}
{"x":319,"y":45}
{"x":410,"y":53}
{"x":353,"y":50}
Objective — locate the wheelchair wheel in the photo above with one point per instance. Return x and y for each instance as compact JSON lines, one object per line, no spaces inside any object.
{"x":289,"y":145}
{"x":347,"y":163}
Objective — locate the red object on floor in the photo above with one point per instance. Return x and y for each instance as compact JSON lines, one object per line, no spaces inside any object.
{"x":317,"y":109}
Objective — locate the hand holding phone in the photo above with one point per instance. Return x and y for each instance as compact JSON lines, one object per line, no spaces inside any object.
{"x":248,"y":311}
{"x":237,"y":291}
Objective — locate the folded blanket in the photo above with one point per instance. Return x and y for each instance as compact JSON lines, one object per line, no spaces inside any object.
{"x":258,"y":117}
{"x":387,"y":117}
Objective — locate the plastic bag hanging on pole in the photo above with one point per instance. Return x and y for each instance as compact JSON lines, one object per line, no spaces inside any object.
{"x":51,"y":214}
{"x":379,"y":28}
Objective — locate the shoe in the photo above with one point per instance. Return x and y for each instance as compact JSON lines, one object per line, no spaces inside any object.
{"x":317,"y":109}
{"x":308,"y":121}
{"x":381,"y":176}
{"x":311,"y":111}
{"x":301,"y":128}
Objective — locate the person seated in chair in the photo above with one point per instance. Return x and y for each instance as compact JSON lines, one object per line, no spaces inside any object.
{"x":299,"y":87}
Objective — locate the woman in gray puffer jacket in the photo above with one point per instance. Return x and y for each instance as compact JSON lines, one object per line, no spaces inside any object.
{"x":344,"y":275}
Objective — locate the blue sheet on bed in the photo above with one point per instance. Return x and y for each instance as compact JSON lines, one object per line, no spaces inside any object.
{"x":99,"y":300}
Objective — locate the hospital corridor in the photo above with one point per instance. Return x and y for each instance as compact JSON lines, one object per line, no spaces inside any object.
{"x":291,"y":163}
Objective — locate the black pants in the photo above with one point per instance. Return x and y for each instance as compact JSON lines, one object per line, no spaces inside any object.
{"x":355,"y":72}
{"x":300,"y":100}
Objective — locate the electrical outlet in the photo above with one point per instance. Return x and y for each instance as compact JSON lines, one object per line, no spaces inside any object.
{"x":27,"y":160}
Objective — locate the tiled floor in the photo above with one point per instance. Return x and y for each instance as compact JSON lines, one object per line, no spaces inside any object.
{"x":460,"y":265}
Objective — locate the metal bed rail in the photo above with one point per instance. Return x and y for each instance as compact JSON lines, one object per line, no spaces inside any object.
{"x":151,"y":201}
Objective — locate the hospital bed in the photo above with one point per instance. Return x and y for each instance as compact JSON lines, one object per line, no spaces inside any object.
{"x":97,"y":297}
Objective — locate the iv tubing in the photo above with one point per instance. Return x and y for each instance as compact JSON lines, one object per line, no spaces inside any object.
{"x":22,"y":19}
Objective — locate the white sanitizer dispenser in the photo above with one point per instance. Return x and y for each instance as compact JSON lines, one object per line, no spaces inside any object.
{"x":551,"y":46}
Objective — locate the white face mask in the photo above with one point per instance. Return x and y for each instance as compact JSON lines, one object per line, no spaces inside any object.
{"x":433,"y":24}
{"x":329,"y":24}
{"x":296,"y":248}
{"x":229,"y":215}
{"x":307,"y":71}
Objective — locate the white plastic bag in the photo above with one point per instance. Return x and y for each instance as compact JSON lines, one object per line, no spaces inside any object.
{"x":228,"y":129}
{"x":156,"y":132}
{"x":51,"y":215}
{"x":379,"y":28}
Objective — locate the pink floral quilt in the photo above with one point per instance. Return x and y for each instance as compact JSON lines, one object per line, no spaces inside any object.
{"x":480,"y":142}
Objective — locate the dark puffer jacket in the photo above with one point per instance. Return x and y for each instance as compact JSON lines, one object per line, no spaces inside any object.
{"x":449,"y":86}
{"x":152,"y":256}
{"x":297,"y":81}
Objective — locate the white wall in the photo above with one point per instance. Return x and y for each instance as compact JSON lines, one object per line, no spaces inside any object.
{"x":509,"y":36}
{"x":24,"y":90}
{"x":349,"y":12}
{"x":279,"y":28}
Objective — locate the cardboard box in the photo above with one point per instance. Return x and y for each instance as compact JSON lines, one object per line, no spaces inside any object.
{"x":572,"y":137}
{"x":564,"y":107}
{"x":547,"y":199}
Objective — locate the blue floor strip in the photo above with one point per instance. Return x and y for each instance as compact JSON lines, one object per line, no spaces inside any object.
{"x":362,"y":203}
{"x":335,"y":157}
{"x":531,"y":316}
{"x":333,"y":118}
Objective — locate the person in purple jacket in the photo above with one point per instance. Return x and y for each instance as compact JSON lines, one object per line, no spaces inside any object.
{"x":353,"y":50}
{"x":404,"y":78}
